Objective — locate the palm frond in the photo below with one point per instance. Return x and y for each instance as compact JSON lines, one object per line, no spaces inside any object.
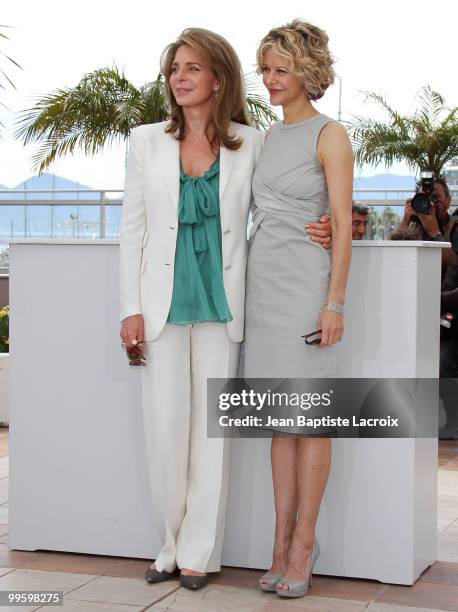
{"x":10,"y":59}
{"x":261,"y":112}
{"x":433,"y":104}
{"x":425,"y":139}
{"x":395,"y":117}
{"x":102,"y":108}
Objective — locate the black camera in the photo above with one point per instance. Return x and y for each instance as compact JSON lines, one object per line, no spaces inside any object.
{"x":424,"y":199}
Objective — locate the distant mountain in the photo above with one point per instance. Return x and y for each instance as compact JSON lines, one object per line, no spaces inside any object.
{"x":49,"y":181}
{"x":385,"y":181}
{"x":67,"y":220}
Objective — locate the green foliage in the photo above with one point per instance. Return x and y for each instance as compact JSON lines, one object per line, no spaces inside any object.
{"x":427,"y":139}
{"x":261,"y":112}
{"x":381,"y":224}
{"x":2,"y":72}
{"x":4,"y":329}
{"x":101,"y":109}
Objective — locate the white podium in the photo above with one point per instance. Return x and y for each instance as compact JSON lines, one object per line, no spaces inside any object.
{"x":78,"y":478}
{"x":378,"y":518}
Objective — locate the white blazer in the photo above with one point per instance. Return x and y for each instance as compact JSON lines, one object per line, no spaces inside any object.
{"x":149,"y":224}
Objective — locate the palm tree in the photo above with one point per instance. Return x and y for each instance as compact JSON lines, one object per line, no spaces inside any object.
{"x":103,"y":108}
{"x":427,"y":139}
{"x":2,"y":72}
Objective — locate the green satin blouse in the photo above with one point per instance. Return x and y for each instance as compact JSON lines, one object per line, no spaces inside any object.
{"x":198,"y":288}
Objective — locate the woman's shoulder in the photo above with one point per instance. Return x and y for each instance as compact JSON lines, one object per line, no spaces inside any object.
{"x":333,"y":141}
{"x":247,"y":131}
{"x":332,"y":125}
{"x":330,"y":132}
{"x":149,"y":128}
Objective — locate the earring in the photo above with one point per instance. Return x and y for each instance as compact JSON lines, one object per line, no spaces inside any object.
{"x":216,"y":92}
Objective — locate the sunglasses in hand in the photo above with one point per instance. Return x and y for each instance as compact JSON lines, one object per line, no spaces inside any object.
{"x":135,"y":354}
{"x":309,"y":340}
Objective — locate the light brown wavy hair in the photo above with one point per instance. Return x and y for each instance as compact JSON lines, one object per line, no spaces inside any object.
{"x":305,"y":48}
{"x":229,"y":104}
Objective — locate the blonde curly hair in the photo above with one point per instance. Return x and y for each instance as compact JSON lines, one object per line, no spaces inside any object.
{"x":305,"y":47}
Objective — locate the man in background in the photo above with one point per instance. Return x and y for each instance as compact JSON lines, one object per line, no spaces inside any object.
{"x":360,"y":214}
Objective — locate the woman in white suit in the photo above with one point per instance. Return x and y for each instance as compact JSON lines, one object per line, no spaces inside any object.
{"x":183,"y":253}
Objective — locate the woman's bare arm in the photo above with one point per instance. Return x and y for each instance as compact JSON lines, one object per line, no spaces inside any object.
{"x":335,"y":153}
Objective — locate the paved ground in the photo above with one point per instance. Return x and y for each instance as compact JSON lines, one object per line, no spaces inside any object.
{"x":114,"y":584}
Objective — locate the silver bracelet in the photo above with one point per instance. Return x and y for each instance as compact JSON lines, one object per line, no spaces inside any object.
{"x":334,"y":306}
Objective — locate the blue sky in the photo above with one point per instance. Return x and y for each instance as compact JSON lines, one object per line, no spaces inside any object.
{"x":392,"y":47}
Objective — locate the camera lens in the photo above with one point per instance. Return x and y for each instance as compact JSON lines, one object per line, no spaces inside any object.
{"x":421,"y":203}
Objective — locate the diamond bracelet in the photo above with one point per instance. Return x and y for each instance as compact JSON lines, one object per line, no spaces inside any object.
{"x":334,"y":306}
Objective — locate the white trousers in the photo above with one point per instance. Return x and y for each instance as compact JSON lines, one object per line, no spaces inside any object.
{"x":189,"y":473}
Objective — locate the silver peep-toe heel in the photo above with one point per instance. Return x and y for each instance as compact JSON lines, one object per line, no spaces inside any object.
{"x":299,"y":588}
{"x":272,"y":578}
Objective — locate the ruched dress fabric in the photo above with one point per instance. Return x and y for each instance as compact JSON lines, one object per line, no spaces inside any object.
{"x":198,"y":288}
{"x":288,"y":274}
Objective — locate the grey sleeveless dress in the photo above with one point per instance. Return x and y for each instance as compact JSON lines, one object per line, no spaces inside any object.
{"x":288,"y":274}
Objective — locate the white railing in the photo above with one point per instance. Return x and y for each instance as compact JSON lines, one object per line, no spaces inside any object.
{"x":71,"y":225}
{"x":78,"y":219}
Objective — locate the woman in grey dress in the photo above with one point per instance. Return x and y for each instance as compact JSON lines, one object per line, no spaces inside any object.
{"x":294,"y":285}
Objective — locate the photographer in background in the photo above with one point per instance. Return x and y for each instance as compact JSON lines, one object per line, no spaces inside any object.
{"x":448,"y":368}
{"x":434,"y":223}
{"x":449,"y":335}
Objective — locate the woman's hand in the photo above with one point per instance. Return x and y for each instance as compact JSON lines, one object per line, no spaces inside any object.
{"x":331,"y":325}
{"x":321,"y":231}
{"x":132,"y":329}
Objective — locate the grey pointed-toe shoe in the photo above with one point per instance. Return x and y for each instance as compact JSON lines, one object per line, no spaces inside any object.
{"x":193,"y":582}
{"x":299,"y":588}
{"x":153,"y":575}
